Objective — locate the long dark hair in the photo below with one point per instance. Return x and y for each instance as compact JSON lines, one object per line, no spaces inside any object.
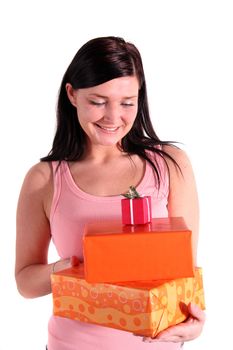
{"x":96,"y":62}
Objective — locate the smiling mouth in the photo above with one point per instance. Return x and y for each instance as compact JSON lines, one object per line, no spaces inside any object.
{"x":107,"y":128}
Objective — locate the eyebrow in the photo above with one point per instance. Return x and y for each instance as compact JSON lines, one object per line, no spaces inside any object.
{"x":106,"y":97}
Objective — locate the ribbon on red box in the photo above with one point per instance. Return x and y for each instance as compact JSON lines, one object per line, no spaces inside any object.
{"x":132,"y":219}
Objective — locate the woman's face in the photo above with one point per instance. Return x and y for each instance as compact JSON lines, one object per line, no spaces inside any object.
{"x":106,"y":112}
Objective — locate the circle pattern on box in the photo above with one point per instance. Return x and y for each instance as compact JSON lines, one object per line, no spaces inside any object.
{"x":129,"y":308}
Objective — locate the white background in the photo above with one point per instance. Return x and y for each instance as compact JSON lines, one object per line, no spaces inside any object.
{"x":187,"y":48}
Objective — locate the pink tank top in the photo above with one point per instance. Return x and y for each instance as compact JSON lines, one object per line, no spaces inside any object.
{"x":71,"y":210}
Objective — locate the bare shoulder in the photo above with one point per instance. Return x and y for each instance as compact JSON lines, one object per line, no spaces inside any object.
{"x":38,"y":176}
{"x":179,"y":155}
{"x":37,"y":187}
{"x":182,"y":176}
{"x":184,"y":170}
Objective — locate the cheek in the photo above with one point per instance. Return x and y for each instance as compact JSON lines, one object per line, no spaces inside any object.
{"x":87,"y":115}
{"x":131,"y":116}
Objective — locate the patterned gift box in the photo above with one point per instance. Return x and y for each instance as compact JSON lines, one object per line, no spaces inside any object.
{"x":143,"y":308}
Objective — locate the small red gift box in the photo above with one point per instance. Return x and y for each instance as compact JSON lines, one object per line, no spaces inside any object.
{"x":136,"y":210}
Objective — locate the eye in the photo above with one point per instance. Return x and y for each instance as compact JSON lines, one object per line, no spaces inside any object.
{"x":95,"y":103}
{"x":127,"y":104}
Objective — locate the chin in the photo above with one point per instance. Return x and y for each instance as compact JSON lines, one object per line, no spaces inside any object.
{"x":108,"y":144}
{"x":107,"y":141}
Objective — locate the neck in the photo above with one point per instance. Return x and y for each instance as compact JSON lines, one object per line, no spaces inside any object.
{"x":102,"y":154}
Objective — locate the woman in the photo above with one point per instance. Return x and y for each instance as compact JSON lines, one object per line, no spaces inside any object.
{"x":103,"y":144}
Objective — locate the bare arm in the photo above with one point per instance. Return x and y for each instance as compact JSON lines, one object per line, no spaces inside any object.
{"x":183,"y":198}
{"x":32,"y":271}
{"x":33,"y":234}
{"x":183,"y":201}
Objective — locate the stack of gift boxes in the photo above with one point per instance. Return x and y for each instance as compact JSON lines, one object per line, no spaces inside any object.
{"x":138,"y":273}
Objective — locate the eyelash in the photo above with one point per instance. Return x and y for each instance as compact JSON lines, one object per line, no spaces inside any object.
{"x":97,"y":103}
{"x":103,"y":103}
{"x":127,"y":104}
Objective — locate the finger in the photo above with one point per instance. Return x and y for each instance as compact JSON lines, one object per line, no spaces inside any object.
{"x":177,"y":331}
{"x":168,"y":333}
{"x":150,"y":340}
{"x":196,"y":312}
{"x":174,"y":338}
{"x":182,"y":332}
{"x":61,"y":265}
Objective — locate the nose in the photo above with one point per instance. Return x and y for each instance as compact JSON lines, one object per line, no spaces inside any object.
{"x":112,"y":113}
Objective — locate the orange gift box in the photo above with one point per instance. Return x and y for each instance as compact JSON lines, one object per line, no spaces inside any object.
{"x":143,"y":308}
{"x":161,"y":249}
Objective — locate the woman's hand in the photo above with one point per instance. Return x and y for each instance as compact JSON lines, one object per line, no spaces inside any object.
{"x":65,"y":264}
{"x":185,"y":331}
